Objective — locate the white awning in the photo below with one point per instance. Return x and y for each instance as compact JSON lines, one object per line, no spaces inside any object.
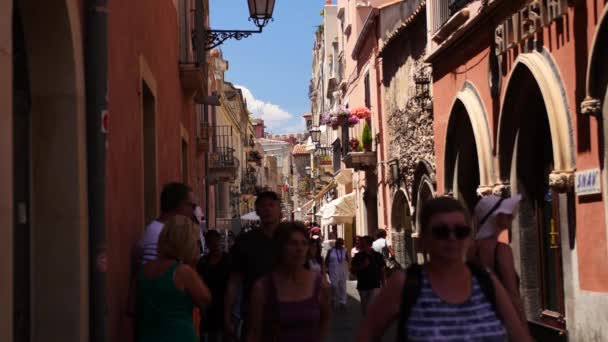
{"x":340,"y":211}
{"x":318,"y":196}
{"x":344,"y":176}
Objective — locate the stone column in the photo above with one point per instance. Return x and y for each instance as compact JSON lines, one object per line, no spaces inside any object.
{"x":561,"y":181}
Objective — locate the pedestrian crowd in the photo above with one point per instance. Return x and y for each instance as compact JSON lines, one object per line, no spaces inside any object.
{"x":278,"y":282}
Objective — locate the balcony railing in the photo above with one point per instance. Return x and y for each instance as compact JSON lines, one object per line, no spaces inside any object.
{"x":444,"y":9}
{"x":222,"y":153}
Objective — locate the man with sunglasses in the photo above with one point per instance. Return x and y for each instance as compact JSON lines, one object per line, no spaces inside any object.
{"x":175,"y":199}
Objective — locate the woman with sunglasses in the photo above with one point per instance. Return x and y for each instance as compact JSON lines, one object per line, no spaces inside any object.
{"x":445,"y":299}
{"x":494,"y":217}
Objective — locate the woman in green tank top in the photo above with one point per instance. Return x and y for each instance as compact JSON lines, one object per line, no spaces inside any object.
{"x":168,"y":290}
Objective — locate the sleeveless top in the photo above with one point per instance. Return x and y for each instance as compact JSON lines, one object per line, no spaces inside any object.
{"x":297,"y":321}
{"x":164,"y":313}
{"x":432,"y":319}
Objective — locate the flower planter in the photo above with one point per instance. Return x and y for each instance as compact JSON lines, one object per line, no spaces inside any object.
{"x":361,"y":161}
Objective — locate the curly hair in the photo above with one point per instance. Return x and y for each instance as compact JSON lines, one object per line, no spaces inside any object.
{"x":178,"y":240}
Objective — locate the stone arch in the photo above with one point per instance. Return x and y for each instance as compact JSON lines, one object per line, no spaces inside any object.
{"x":402,"y":227}
{"x":597,"y":70}
{"x":468,"y":164}
{"x":546,"y":75}
{"x":423,"y":189}
{"x":56,"y":235}
{"x":537,"y":159}
{"x":475,"y":109}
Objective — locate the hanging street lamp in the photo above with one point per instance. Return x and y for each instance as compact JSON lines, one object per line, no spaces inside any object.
{"x":315,"y":135}
{"x":260,"y":12}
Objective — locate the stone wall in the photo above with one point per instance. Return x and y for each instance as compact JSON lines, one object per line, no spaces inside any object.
{"x":410,"y":128}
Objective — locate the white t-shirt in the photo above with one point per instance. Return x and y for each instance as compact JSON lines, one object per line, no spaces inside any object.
{"x":148,"y":244}
{"x":381,"y":246}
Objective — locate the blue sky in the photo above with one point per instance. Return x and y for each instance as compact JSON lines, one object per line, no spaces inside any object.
{"x":274,"y":67}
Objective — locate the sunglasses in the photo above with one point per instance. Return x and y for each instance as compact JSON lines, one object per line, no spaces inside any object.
{"x":443,"y":232}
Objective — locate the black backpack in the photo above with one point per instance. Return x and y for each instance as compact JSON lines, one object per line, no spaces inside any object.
{"x":411,"y":291}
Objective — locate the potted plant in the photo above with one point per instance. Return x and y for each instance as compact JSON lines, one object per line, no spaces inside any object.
{"x":366,"y":137}
{"x":354,"y":144}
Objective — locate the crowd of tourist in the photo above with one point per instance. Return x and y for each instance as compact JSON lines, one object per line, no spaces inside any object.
{"x":278,"y":283}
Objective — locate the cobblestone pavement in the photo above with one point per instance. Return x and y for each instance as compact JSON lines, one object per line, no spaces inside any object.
{"x":345,"y":322}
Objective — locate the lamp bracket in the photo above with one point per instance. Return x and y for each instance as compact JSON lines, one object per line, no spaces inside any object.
{"x":215,"y":38}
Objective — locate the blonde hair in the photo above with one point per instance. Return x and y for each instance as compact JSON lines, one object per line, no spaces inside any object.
{"x":178,"y":240}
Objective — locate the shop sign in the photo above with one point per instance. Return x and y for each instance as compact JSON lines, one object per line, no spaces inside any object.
{"x":588,"y":182}
{"x":531,"y":18}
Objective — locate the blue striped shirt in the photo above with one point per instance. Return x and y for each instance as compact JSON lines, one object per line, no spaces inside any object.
{"x":432,"y":319}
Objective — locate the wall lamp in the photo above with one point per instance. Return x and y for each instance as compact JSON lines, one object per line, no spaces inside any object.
{"x":260,"y":12}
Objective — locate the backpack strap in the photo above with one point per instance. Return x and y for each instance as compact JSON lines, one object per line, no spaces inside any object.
{"x":409,"y":296}
{"x":485,"y":283}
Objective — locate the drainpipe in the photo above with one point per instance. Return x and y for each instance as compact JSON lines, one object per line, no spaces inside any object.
{"x":380,"y":126}
{"x":96,"y":80}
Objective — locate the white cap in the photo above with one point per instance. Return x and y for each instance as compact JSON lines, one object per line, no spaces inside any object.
{"x":487,"y":209}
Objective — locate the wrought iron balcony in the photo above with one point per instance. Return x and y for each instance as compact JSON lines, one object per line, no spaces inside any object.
{"x":443,"y":10}
{"x":249,"y":182}
{"x":223,"y":165}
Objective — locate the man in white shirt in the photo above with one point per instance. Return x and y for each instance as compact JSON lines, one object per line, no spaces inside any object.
{"x":175,"y":199}
{"x":381,"y":246}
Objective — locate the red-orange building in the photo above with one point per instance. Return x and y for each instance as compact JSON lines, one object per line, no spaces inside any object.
{"x":154,"y":78}
{"x":519,"y":107}
{"x":100,"y":110}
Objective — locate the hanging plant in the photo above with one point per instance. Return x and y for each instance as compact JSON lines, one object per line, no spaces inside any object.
{"x":363,"y":113}
{"x":326,"y":118}
{"x":353,"y":121}
{"x":333,"y":121}
{"x":341,"y":111}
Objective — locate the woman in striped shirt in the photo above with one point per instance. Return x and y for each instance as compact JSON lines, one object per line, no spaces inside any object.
{"x":444,"y":300}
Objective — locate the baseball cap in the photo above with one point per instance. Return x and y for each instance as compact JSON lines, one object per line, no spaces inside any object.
{"x":487,"y":209}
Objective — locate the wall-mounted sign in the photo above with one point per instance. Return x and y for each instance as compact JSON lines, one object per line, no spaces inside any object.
{"x":522,"y":25}
{"x":588,"y":182}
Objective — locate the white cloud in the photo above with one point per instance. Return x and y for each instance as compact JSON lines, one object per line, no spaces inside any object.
{"x":276,"y":119}
{"x":271,"y":113}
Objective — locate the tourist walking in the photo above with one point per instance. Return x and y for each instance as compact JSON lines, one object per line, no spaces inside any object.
{"x":368,"y":265}
{"x":175,"y":199}
{"x":168,"y":287}
{"x":494,"y":216}
{"x":336,"y":263}
{"x":213,"y":269}
{"x":251,"y":258}
{"x":356,"y":245}
{"x":315,"y":260}
{"x":445,"y":299}
{"x":291,"y":304}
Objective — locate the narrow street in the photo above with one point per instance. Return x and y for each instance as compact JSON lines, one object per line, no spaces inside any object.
{"x":346,"y":322}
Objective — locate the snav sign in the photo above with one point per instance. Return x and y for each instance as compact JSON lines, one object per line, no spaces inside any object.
{"x":522,"y":25}
{"x":588,"y":182}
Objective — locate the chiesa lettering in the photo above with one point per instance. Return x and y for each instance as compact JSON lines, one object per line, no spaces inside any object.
{"x":523,"y":24}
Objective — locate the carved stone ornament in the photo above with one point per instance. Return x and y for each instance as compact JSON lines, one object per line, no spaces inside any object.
{"x":562,"y":181}
{"x":591,"y":106}
{"x":502,"y":189}
{"x":484,"y":190}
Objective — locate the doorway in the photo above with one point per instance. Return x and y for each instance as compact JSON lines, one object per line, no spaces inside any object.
{"x":21,"y":183}
{"x":527,"y":163}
